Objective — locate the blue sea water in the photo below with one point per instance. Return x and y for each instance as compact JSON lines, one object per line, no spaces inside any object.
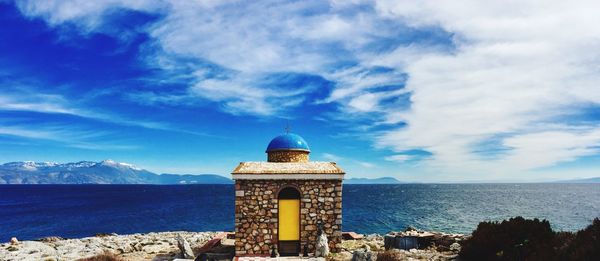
{"x":34,"y":211}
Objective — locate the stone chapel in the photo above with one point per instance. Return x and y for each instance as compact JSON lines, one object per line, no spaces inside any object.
{"x":283,"y":202}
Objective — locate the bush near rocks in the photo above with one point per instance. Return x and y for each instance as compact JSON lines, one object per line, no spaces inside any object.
{"x":584,"y":245}
{"x":515,"y":239}
{"x":526,"y":239}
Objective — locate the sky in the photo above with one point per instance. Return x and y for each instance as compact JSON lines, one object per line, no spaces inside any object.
{"x":423,"y":91}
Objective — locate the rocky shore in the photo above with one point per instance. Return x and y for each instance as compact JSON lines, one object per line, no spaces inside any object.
{"x":164,"y":246}
{"x":441,"y":246}
{"x":150,"y":246}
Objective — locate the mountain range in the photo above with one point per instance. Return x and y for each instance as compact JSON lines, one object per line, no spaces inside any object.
{"x":111,"y":172}
{"x":587,"y":180}
{"x":384,"y":180}
{"x":89,"y":172}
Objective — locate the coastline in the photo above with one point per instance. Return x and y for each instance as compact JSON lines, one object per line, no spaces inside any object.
{"x":139,"y":246}
{"x":164,"y":246}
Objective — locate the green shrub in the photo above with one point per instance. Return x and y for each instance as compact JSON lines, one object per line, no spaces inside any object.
{"x":515,"y":239}
{"x":584,"y":245}
{"x":523,"y":239}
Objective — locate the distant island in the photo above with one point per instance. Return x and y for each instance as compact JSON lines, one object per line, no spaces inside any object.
{"x":89,"y":172}
{"x":587,"y":180}
{"x":384,"y":180}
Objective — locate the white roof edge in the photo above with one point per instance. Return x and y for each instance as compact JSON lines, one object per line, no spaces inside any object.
{"x":287,"y":176}
{"x":288,"y":168}
{"x":290,"y":162}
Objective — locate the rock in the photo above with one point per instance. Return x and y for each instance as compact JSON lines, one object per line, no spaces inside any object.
{"x":50,"y":239}
{"x":362,"y":255}
{"x":184,"y":247}
{"x":455,"y":247}
{"x":343,"y":256}
{"x":32,"y":250}
{"x":14,"y":241}
{"x":373,"y":246}
{"x":322,"y":246}
{"x":128,"y":247}
{"x":410,"y":228}
{"x":373,"y":237}
{"x":366,"y":247}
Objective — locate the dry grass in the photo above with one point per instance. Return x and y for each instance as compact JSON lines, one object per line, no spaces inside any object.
{"x":389,"y":256}
{"x":106,"y":256}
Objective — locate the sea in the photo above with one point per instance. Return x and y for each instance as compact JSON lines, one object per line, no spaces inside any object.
{"x":71,"y":211}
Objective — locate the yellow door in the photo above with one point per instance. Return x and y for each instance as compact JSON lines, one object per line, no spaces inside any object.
{"x":289,"y":219}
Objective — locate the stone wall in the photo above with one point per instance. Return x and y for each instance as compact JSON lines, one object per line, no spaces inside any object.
{"x":256,"y":213}
{"x":288,"y":156}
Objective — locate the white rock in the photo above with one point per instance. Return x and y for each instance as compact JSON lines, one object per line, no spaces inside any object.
{"x":362,"y":255}
{"x":184,"y":247}
{"x":136,"y":246}
{"x":455,"y":247}
{"x":322,"y":246}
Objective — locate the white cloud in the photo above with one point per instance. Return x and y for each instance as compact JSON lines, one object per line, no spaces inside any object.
{"x":240,"y":95}
{"x":87,"y":14}
{"x":551,"y":147}
{"x":519,"y":65}
{"x":256,"y":39}
{"x":366,"y":164}
{"x":65,"y":136}
{"x":250,"y":40}
{"x":515,"y":72}
{"x":45,"y":103}
{"x":398,"y":157}
{"x":337,"y":158}
{"x":26,"y":100}
{"x":331,"y":157}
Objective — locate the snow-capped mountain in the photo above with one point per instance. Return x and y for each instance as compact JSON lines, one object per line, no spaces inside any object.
{"x":112,"y":163}
{"x":28,"y":165}
{"x":89,"y":172}
{"x":31,"y":165}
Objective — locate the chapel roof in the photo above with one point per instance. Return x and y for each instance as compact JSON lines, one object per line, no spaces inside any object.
{"x":311,"y":167}
{"x":288,"y":141}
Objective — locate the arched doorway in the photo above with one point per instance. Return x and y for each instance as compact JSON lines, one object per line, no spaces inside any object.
{"x":289,"y":222}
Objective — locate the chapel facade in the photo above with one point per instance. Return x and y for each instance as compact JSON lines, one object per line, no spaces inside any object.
{"x":283,"y":203}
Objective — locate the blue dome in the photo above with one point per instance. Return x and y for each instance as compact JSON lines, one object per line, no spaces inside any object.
{"x":288,"y":141}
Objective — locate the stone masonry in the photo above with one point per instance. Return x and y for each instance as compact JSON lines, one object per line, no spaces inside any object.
{"x":256,"y":213}
{"x":288,"y":156}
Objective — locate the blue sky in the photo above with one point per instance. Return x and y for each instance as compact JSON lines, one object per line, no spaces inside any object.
{"x":451,"y":91}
